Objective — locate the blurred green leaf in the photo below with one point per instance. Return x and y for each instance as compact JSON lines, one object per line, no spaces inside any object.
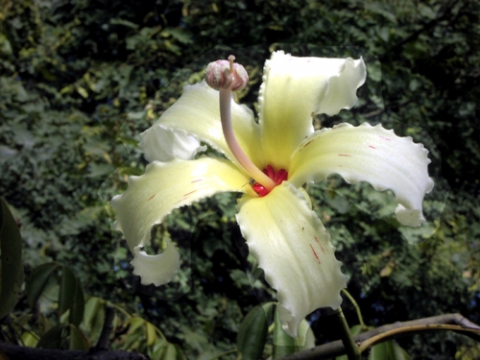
{"x":253,"y":331}
{"x":78,"y":341}
{"x":124,"y":23}
{"x":28,"y":339}
{"x":78,"y":306}
{"x":169,"y":352}
{"x":284,"y":344}
{"x":82,"y":91}
{"x":94,"y":317}
{"x":134,"y":323}
{"x":388,"y":350}
{"x":383,"y":9}
{"x":37,"y":281}
{"x":53,"y":338}
{"x":70,"y":296}
{"x":68,"y":286}
{"x":5,"y":47}
{"x":151,"y":333}
{"x":179,"y":34}
{"x":11,"y":271}
{"x":180,"y":354}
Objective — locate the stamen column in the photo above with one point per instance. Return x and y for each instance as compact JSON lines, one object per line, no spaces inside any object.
{"x":226,"y":77}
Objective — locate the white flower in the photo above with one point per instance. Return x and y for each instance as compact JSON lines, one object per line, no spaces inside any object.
{"x":282,"y":232}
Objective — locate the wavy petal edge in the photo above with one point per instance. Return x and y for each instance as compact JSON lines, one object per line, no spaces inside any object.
{"x":315,"y":287}
{"x":159,"y":143}
{"x":379,"y":146}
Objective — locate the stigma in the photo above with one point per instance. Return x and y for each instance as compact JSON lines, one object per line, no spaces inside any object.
{"x":277,"y":176}
{"x":225,"y":74}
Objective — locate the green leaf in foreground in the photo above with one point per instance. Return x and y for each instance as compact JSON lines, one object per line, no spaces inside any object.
{"x":94,"y":317}
{"x":172,"y":352}
{"x":52,"y":338}
{"x":388,"y":350}
{"x":68,"y":285}
{"x":253,"y":331}
{"x":169,"y":352}
{"x":78,"y":306}
{"x":11,"y":270}
{"x":78,"y":341}
{"x":37,"y":281}
{"x":284,"y":344}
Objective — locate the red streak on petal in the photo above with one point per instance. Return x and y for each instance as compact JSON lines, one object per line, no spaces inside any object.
{"x":151,"y":197}
{"x":320,"y":244}
{"x":191,"y":192}
{"x":197,"y":180}
{"x":370,"y":146}
{"x":344,"y":155}
{"x":385,"y":138}
{"x":315,"y":253}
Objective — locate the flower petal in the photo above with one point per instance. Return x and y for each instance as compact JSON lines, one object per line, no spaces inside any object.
{"x":164,"y":187}
{"x":197,"y":112}
{"x":161,"y":144}
{"x":371,"y":154}
{"x":156,"y":269}
{"x":294,"y":249}
{"x":293,"y":90}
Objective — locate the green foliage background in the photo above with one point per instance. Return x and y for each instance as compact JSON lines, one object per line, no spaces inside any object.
{"x":81,"y":79}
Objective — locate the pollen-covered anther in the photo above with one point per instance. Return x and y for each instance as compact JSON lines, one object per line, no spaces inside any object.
{"x":225,"y":74}
{"x":277,"y":176}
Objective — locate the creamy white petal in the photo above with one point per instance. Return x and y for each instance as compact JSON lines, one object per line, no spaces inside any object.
{"x":164,"y":187}
{"x":156,"y":269}
{"x":161,"y":144}
{"x":296,"y":88}
{"x":342,"y":88}
{"x":197,"y":112}
{"x":293,"y":248}
{"x":371,"y":154}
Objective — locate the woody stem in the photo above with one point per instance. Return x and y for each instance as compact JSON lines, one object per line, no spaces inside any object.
{"x":245,"y":162}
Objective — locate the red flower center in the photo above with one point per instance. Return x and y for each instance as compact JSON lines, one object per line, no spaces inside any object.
{"x":277,"y":176}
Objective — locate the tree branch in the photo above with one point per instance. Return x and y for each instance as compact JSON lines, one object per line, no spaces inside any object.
{"x":414,"y":329}
{"x":98,"y":352}
{"x":336,"y":348}
{"x":16,"y":352}
{"x":348,"y":342}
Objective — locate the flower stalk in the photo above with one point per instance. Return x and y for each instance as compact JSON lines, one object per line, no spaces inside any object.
{"x":351,"y":348}
{"x":357,"y":308}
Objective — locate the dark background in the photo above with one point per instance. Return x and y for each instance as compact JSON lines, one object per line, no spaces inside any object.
{"x":80,"y":79}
